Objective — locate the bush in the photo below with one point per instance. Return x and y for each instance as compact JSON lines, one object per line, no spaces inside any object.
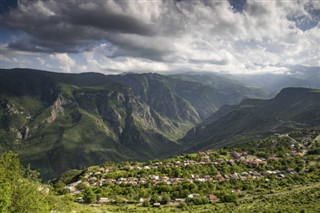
{"x":229,"y":198}
{"x":183,"y":206}
{"x":146,"y":203}
{"x":89,"y":196}
{"x":165,"y":199}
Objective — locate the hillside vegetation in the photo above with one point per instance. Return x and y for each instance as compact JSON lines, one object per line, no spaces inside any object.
{"x":58,"y":122}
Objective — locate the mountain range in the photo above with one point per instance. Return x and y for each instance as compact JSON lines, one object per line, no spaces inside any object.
{"x":295,"y":76}
{"x":292,"y":108}
{"x":58,"y":122}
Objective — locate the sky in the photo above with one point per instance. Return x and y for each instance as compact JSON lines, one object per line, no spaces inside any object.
{"x":116,"y":36}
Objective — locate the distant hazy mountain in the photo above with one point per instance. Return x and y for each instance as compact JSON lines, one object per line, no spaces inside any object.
{"x":59,"y":122}
{"x":297,"y":76}
{"x":292,"y":108}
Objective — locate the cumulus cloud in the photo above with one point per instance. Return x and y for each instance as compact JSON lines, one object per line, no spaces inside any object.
{"x":64,"y":60}
{"x":120,"y":36}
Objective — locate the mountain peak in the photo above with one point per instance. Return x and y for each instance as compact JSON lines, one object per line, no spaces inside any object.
{"x":295,"y":93}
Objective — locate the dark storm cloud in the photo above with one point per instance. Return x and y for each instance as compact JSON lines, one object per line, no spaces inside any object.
{"x":104,"y":20}
{"x":74,"y":26}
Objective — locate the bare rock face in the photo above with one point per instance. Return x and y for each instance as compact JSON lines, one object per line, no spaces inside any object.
{"x":18,"y":135}
{"x":25,"y":132}
{"x":57,"y":108}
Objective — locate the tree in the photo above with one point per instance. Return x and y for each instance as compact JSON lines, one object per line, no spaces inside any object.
{"x":89,"y":196}
{"x":183,"y":206}
{"x":146,"y":203}
{"x":5,"y":195}
{"x":165,"y":199}
{"x":27,"y":198}
{"x":81,"y":186}
{"x":17,"y":193}
{"x":229,"y":198}
{"x":154,"y":199}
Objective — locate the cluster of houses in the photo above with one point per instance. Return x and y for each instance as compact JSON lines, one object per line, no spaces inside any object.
{"x":100,"y":176}
{"x":155,"y":179}
{"x":93,"y":181}
{"x":252,"y":162}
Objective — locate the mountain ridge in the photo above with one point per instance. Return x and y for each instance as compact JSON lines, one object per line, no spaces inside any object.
{"x":58,"y":122}
{"x":292,"y":108}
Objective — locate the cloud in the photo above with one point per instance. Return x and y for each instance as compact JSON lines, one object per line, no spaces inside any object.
{"x":64,"y":60}
{"x":121,"y":36}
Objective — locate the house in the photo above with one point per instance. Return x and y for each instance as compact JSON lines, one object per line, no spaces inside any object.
{"x":195,"y":176}
{"x":200,"y":179}
{"x":255,"y":163}
{"x":92,"y":179}
{"x":103,"y":200}
{"x":157,"y":205}
{"x":177,"y":163}
{"x":236,"y":190}
{"x":205,"y":158}
{"x":226,"y":177}
{"x":212,"y":197}
{"x":220,"y":178}
{"x":86,"y":183}
{"x":122,"y":179}
{"x":141,"y":200}
{"x":208,"y":178}
{"x":100,"y":182}
{"x":236,"y":155}
{"x":267,"y":172}
{"x":71,"y":188}
{"x":193,"y":195}
{"x":234,"y":176}
{"x":244,"y":174}
{"x":154,"y":177}
{"x":43,"y":189}
{"x":256,"y":174}
{"x":231,"y":162}
{"x":164,"y":179}
{"x":103,"y":170}
{"x":110,"y":180}
{"x":76,"y":183}
{"x":179,"y":200}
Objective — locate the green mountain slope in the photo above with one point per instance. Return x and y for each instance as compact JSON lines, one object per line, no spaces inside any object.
{"x":292,"y":108}
{"x":58,"y":122}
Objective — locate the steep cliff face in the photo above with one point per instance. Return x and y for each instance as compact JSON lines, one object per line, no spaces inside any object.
{"x":159,"y":93}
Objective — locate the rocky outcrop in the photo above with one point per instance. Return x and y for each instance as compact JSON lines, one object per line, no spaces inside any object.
{"x":57,"y":108}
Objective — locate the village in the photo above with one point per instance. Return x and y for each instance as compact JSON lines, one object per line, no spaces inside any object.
{"x":99,"y":177}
